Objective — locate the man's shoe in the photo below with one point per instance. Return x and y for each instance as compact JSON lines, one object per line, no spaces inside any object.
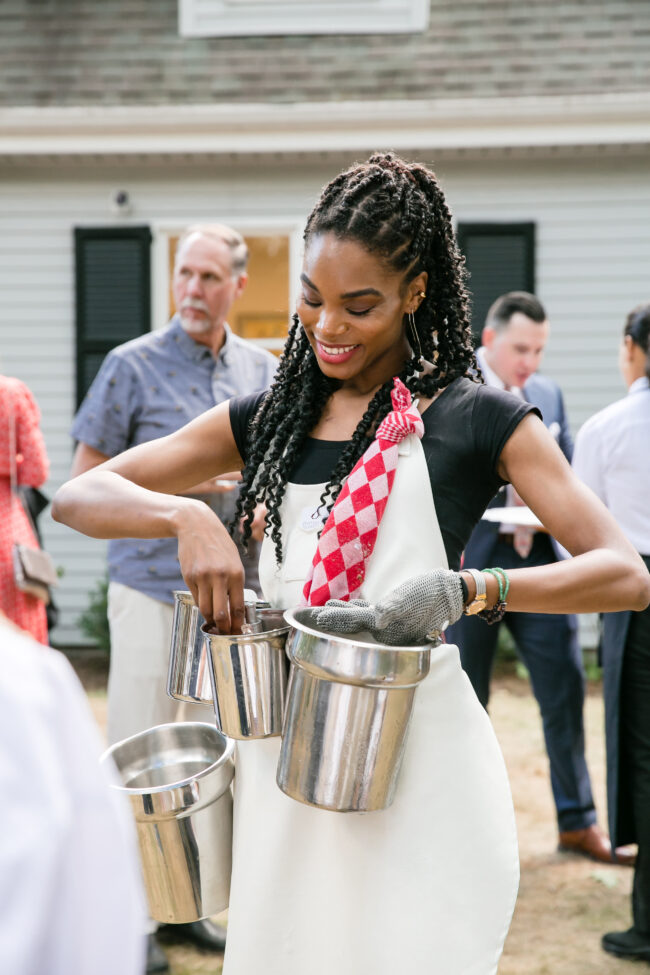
{"x":156,"y":957}
{"x":592,"y":842}
{"x":627,"y":944}
{"x":625,"y":856}
{"x":204,"y":934}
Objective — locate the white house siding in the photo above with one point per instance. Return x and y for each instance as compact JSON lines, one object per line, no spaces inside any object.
{"x":592,"y":262}
{"x":593,"y":253}
{"x":38,"y":211}
{"x":592,"y":257}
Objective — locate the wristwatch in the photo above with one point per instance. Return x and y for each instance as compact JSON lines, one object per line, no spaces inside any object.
{"x":478,"y":604}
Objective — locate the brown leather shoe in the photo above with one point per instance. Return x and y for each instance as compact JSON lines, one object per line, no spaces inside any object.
{"x":592,"y":842}
{"x":625,"y":856}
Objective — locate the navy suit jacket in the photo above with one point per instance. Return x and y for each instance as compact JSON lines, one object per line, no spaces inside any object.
{"x":546,"y":395}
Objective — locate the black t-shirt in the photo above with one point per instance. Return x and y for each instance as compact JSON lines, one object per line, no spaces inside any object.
{"x":465,"y":430}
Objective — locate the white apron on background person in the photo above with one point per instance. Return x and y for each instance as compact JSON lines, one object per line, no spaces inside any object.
{"x":425,"y":887}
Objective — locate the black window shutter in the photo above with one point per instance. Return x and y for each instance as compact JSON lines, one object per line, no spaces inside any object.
{"x":113,"y":293}
{"x":500,"y":257}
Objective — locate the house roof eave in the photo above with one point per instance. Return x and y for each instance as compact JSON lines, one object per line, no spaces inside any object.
{"x":216,"y":129}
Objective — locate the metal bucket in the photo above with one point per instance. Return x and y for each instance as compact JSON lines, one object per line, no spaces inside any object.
{"x":178,"y":778}
{"x":188,"y":678}
{"x":348,"y":710}
{"x":250,"y":677}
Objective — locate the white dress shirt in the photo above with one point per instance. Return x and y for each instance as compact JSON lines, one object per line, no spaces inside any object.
{"x":491,"y":379}
{"x":70,"y":885}
{"x":490,"y":376}
{"x":612,"y":456}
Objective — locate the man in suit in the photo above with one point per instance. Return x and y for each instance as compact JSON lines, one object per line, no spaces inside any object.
{"x":514,"y":337}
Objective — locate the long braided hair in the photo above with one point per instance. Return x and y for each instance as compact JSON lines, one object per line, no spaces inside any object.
{"x":397,"y":211}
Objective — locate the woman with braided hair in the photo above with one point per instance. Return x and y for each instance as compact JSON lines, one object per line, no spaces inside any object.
{"x":377,"y":424}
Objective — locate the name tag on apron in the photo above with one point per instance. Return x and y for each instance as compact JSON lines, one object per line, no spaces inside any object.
{"x":313,"y":519}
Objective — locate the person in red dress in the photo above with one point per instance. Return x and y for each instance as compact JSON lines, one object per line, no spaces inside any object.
{"x":18,"y":409}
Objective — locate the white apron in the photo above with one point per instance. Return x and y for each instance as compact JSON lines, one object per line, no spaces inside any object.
{"x":425,"y":887}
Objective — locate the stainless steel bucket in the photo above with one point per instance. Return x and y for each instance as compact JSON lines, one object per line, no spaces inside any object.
{"x":250,"y":677}
{"x":348,"y":710}
{"x":188,"y":678}
{"x":178,"y":778}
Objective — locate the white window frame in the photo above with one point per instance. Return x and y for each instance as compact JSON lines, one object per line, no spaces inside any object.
{"x":242,"y":18}
{"x":160,"y":282}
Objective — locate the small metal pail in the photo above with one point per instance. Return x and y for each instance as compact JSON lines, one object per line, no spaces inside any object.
{"x":178,"y":778}
{"x":250,"y":677}
{"x":188,"y":678}
{"x":348,"y":710}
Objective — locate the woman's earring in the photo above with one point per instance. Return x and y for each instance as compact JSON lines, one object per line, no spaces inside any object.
{"x":413,"y":337}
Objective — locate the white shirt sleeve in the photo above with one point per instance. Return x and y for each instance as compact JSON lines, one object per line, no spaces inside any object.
{"x":70,"y":886}
{"x":588,"y":461}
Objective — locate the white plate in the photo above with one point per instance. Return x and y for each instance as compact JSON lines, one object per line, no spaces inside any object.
{"x":517,"y":514}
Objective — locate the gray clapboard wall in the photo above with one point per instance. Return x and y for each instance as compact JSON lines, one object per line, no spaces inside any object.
{"x":593,"y":254}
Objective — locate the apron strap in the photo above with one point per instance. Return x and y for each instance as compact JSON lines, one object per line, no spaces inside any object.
{"x":350,"y":533}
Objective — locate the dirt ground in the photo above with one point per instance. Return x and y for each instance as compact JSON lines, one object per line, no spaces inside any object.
{"x":565,"y":902}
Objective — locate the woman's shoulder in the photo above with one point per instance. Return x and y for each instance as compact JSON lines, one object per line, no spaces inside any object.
{"x":490,"y":401}
{"x":496,"y":415}
{"x":465,"y":393}
{"x":459,"y":391}
{"x":242,"y":410}
{"x":246,"y":407}
{"x":612,"y":414}
{"x":20,"y":394}
{"x":469,"y":416}
{"x":13,"y":385}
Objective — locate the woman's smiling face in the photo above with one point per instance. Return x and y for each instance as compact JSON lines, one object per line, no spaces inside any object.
{"x":352,"y":309}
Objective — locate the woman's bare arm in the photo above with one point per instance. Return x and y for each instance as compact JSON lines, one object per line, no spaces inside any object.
{"x":135,"y":495}
{"x":606,"y":573}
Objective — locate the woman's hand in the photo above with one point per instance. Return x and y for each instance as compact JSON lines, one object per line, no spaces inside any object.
{"x":211,"y":566}
{"x":258,"y":525}
{"x":421,"y":608}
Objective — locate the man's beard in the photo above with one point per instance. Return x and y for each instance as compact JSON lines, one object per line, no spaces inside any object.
{"x":193,"y":325}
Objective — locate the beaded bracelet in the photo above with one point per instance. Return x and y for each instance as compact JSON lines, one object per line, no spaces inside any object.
{"x":497,"y":612}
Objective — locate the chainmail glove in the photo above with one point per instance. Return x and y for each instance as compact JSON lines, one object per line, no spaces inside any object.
{"x":420,"y":608}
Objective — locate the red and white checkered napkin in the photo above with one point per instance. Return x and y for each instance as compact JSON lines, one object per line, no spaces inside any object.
{"x":350,"y":532}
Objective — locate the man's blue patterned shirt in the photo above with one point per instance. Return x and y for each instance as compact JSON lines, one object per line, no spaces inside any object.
{"x":148,"y":388}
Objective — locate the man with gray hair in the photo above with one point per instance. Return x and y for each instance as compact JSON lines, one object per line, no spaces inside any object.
{"x":148,"y":388}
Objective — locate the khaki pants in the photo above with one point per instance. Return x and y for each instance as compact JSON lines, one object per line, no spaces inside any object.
{"x":140,"y":637}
